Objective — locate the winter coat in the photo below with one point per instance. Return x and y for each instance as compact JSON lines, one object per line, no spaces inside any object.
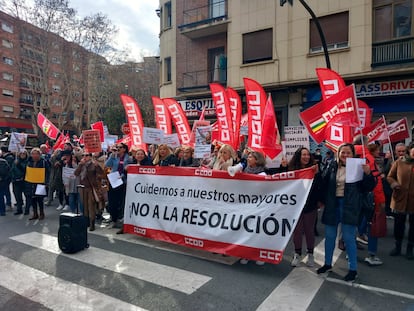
{"x":379,"y":196}
{"x":31,"y":187}
{"x":18,"y":169}
{"x":402,"y":174}
{"x":353,"y":195}
{"x":113,"y":163}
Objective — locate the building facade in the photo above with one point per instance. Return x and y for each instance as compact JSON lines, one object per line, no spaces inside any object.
{"x":370,"y":43}
{"x":40,"y":72}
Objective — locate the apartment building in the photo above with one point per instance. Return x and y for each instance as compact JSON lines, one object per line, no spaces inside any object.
{"x":370,"y":43}
{"x":40,"y":72}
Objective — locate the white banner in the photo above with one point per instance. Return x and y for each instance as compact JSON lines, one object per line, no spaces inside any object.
{"x":248,"y":216}
{"x":17,"y":142}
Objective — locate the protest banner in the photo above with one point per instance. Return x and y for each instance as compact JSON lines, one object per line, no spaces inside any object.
{"x":17,"y":142}
{"x":295,"y":137}
{"x":92,"y":141}
{"x":153,"y":135}
{"x":248,"y":216}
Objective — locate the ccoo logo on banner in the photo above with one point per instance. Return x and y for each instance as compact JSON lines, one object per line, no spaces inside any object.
{"x":248,"y":216}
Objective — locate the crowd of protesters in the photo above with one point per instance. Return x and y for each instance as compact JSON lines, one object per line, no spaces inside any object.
{"x":79,"y":181}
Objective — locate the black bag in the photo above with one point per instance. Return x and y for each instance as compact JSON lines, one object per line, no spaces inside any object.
{"x":367,"y":204}
{"x":72,"y":234}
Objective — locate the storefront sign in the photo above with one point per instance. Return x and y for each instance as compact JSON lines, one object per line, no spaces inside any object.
{"x":386,"y":88}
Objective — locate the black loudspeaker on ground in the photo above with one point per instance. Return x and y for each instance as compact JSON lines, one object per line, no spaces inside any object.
{"x":73,"y":233}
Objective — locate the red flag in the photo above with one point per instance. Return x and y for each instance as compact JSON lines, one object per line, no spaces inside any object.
{"x":236,"y":111}
{"x":135,"y":122}
{"x":47,"y":127}
{"x":376,"y":130}
{"x":60,"y":142}
{"x":330,"y":82}
{"x":223,"y":112}
{"x":256,"y":102}
{"x":179,"y":119}
{"x":364,"y":114}
{"x":339,"y":108}
{"x":270,"y":142}
{"x":337,"y":134}
{"x":162,"y":116}
{"x":100,"y":127}
{"x":47,"y":146}
{"x":397,"y":131}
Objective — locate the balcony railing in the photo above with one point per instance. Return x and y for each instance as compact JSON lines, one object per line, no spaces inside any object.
{"x":393,"y":52}
{"x":199,"y":80}
{"x":205,"y":20}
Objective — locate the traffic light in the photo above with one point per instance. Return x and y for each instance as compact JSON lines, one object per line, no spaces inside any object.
{"x":282,"y":2}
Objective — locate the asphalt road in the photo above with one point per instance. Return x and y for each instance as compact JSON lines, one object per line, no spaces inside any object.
{"x":127,"y":272}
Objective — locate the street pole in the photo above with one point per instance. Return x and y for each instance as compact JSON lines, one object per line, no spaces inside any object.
{"x":318,"y":26}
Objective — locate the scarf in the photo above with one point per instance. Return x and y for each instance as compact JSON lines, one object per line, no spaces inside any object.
{"x":254,"y":170}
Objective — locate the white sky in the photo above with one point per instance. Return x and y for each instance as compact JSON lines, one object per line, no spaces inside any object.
{"x":136,"y":20}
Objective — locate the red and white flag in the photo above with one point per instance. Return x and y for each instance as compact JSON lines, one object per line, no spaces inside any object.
{"x":100,"y":127}
{"x":136,"y":125}
{"x":397,"y":131}
{"x":337,"y":134}
{"x":236,"y":112}
{"x":256,"y":103}
{"x":330,"y":82}
{"x":270,"y":142}
{"x":223,"y":112}
{"x":364,"y":114}
{"x":47,"y":127}
{"x":341,"y":108}
{"x":376,"y":131}
{"x":162,"y":116}
{"x":179,"y":119}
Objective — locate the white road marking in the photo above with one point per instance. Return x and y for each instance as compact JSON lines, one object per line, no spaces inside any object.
{"x":180,"y":280}
{"x":300,"y":281}
{"x":111,"y":235}
{"x":55,"y":293}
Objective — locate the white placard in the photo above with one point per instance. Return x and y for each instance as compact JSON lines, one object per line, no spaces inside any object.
{"x":153,"y":136}
{"x":115,"y":179}
{"x":354,"y":171}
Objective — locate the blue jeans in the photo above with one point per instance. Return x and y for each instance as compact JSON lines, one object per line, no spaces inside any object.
{"x":74,"y":202}
{"x":348,"y":235}
{"x":372,"y":244}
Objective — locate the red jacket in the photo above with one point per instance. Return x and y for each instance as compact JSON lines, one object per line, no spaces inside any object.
{"x":379,"y":197}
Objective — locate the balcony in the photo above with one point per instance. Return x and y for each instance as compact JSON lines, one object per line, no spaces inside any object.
{"x":393,"y":52}
{"x":205,"y":21}
{"x":199,"y":80}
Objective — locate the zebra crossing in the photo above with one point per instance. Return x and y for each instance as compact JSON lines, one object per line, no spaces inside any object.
{"x":143,"y":275}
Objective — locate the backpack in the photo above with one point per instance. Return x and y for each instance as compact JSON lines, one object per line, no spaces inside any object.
{"x":4,"y":170}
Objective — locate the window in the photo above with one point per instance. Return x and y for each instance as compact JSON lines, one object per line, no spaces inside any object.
{"x":392,"y":19}
{"x":57,"y":102}
{"x":56,"y":74}
{"x":7,"y":27}
{"x":217,"y":8}
{"x":257,"y":46}
{"x":7,"y":76}
{"x":167,"y":15}
{"x":56,"y":60}
{"x":7,"y":60}
{"x":8,"y":109}
{"x":6,"y":43}
{"x":335,"y":28}
{"x":8,"y":93}
{"x":217,"y":65}
{"x":167,"y":69}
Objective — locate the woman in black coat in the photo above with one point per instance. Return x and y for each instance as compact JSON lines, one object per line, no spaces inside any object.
{"x":342,"y":204}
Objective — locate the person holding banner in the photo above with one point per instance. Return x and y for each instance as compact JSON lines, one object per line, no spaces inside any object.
{"x":141,"y":158}
{"x":301,"y":159}
{"x":342,"y":204}
{"x":401,"y":180}
{"x":36,"y":177}
{"x":187,"y":158}
{"x":18,"y":172}
{"x":164,"y":156}
{"x":118,"y":161}
{"x":225,"y":158}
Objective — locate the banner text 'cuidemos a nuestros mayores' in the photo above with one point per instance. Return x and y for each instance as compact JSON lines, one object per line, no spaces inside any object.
{"x":245,"y":216}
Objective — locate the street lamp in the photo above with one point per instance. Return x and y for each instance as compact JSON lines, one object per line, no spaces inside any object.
{"x":318,"y":25}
